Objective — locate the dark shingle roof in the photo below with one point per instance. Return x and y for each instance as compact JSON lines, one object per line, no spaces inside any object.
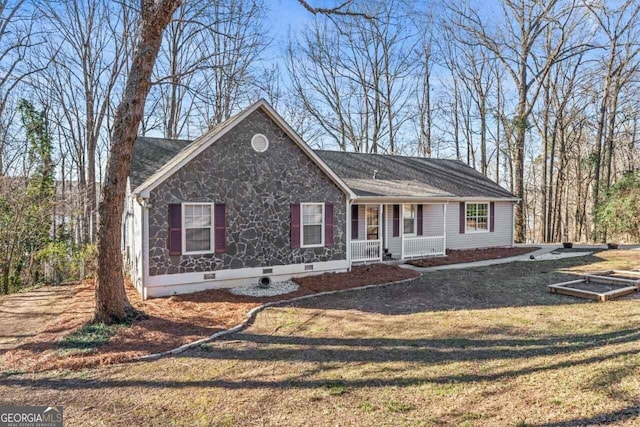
{"x":395,"y":176}
{"x":439,"y":177}
{"x":149,"y":154}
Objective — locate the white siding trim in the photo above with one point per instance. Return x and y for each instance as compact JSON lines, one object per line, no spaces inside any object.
{"x":170,"y":284}
{"x":348,"y":204}
{"x":321,"y":244}
{"x":488,"y":230}
{"x":184,"y":229}
{"x":145,"y":249}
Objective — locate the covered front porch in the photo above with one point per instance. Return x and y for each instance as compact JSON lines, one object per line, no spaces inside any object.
{"x":397,"y":231}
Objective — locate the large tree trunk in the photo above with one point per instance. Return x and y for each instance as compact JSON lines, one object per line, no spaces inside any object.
{"x":112,"y":304}
{"x":521,"y":130}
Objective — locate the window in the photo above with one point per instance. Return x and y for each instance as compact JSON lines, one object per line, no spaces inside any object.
{"x":409,"y":217}
{"x":312,"y":224}
{"x":197,"y":228}
{"x":372,"y":217}
{"x":477,"y":217}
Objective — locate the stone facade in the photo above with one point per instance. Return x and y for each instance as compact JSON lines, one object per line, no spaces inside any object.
{"x":257,"y":189}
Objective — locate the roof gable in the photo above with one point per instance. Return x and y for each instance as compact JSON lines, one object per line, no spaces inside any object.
{"x":191,"y":150}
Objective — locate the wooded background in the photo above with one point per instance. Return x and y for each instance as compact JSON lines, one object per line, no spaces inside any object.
{"x":540,"y":96}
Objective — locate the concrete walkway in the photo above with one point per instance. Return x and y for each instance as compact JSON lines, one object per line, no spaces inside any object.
{"x":544,"y":249}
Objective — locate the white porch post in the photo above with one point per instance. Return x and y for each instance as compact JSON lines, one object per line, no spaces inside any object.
{"x":380,"y":228}
{"x":348,"y":236}
{"x":444,"y":227}
{"x":401,"y":220}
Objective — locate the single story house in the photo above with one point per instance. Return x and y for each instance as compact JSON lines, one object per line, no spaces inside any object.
{"x":250,"y":198}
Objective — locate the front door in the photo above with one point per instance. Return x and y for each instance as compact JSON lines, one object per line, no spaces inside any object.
{"x":373,"y":222}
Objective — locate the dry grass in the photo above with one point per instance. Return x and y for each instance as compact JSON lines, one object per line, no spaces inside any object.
{"x":502,"y":353}
{"x":171,"y":321}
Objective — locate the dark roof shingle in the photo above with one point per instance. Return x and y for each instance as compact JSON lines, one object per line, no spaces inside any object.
{"x":394,"y":176}
{"x":149,"y":154}
{"x":446,"y":177}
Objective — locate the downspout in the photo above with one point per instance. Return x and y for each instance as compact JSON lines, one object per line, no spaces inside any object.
{"x":144,"y":203}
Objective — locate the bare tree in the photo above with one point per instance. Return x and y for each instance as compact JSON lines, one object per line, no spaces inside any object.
{"x":87,"y":54}
{"x":516,"y":47}
{"x":112,"y":304}
{"x":620,"y":28}
{"x":354,"y":79}
{"x":18,"y":37}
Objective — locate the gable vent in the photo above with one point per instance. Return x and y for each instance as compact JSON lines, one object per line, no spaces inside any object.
{"x":260,"y":143}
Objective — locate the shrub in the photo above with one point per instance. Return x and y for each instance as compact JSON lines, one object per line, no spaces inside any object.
{"x":619,"y":213}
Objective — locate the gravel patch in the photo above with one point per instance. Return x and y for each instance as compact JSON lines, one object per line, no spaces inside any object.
{"x":276,"y":288}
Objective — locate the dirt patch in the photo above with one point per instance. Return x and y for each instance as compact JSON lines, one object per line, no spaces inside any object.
{"x":172,"y":321}
{"x":457,"y":256}
{"x":21,"y":318}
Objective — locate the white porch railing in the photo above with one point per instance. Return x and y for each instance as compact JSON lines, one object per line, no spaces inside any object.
{"x":365,"y":250}
{"x":423,"y":246}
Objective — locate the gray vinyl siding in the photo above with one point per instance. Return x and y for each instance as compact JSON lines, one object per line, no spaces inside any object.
{"x":362,"y":222}
{"x":394,"y":244}
{"x":433,"y":220}
{"x":502,"y":236}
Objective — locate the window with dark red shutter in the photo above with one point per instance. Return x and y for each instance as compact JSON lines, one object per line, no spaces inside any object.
{"x":220,"y":228}
{"x":295,"y":225}
{"x":492,"y":217}
{"x":354,"y":222}
{"x":328,"y":225}
{"x":463,"y":217}
{"x":174,"y":240}
{"x":420,"y":219}
{"x":396,"y":220}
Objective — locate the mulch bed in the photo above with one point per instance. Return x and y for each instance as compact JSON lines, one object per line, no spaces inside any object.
{"x":171,"y":321}
{"x":470,"y":255}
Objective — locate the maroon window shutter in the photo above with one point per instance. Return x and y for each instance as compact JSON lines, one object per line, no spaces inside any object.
{"x":492,"y":216}
{"x":174,"y":241}
{"x":295,"y":225}
{"x":328,"y":225}
{"x":463,"y":217}
{"x":220,"y":228}
{"x":419,"y":232}
{"x":354,"y":222}
{"x":396,"y":220}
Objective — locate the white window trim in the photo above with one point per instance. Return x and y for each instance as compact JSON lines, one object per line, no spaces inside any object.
{"x":466,"y":229}
{"x":366,"y":225}
{"x":184,"y":229}
{"x":321,"y":244}
{"x":415,"y":220}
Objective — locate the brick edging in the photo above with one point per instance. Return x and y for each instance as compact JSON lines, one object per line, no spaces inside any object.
{"x":251,"y":315}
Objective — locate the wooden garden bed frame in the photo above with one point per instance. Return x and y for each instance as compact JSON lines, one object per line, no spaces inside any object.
{"x":604,"y":277}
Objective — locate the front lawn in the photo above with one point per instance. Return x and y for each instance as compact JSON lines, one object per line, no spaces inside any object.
{"x":65,"y":341}
{"x":475,"y":347}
